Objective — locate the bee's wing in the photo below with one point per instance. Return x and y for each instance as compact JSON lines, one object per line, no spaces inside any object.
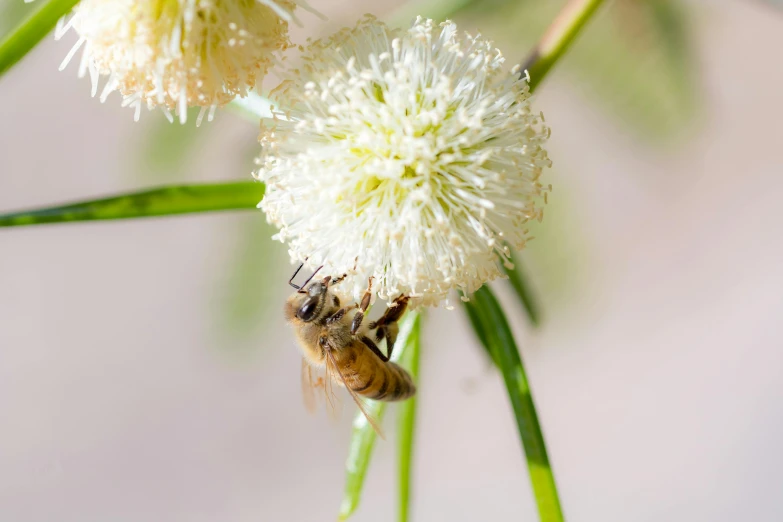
{"x":308,"y":394}
{"x":331,"y":370}
{"x":315,"y":385}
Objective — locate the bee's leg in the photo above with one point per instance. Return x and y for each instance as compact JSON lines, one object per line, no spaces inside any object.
{"x":338,"y":279}
{"x":387,"y":324}
{"x":359,"y":317}
{"x":390,"y":333}
{"x":392,"y":314}
{"x":339,"y":314}
{"x":374,"y":348}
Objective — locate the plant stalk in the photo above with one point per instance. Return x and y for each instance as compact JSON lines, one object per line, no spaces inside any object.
{"x":22,"y":39}
{"x":558,"y":38}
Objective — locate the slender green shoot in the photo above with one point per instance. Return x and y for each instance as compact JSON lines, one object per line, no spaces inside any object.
{"x":165,"y":201}
{"x":487,"y":316}
{"x":495,"y":334}
{"x":558,"y":38}
{"x":19,"y":41}
{"x":407,"y":423}
{"x":363,"y":437}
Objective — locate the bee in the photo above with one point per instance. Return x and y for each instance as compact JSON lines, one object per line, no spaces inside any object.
{"x":336,"y":338}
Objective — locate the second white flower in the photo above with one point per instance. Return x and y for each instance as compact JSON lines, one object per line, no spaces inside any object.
{"x":175,"y":54}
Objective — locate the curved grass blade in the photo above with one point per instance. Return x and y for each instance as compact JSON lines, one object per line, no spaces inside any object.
{"x":496,"y":335}
{"x":516,"y":277}
{"x":164,"y":201}
{"x":362,"y":442}
{"x":407,"y":422}
{"x":363,"y":436}
{"x":21,"y":40}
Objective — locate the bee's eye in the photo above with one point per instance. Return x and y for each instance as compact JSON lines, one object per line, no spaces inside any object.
{"x":316,"y":288}
{"x":307,"y":311}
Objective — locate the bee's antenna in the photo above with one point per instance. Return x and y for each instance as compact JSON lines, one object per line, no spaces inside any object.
{"x":300,"y":288}
{"x":310,"y":278}
{"x":291,"y":281}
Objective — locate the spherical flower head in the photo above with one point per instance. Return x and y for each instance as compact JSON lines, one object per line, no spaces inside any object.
{"x":176,"y":54}
{"x":412,"y":157}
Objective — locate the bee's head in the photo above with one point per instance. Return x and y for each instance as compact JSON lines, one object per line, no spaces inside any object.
{"x":307,"y":303}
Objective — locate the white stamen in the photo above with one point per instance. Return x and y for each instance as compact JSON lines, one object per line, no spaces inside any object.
{"x":164,"y":55}
{"x":413,"y":151}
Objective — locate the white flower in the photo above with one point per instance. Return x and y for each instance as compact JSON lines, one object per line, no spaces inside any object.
{"x":176,"y":54}
{"x":412,"y":155}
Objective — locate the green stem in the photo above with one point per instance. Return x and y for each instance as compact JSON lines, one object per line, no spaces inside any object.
{"x":487,"y":316}
{"x":31,"y":31}
{"x":558,"y":38}
{"x":363,"y":437}
{"x":359,"y":455}
{"x":495,"y":334}
{"x":407,"y":413}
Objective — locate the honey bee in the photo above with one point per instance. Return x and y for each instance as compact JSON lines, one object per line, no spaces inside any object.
{"x":335,"y":337}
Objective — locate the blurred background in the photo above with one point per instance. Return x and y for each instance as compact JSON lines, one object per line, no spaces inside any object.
{"x":146,"y":372}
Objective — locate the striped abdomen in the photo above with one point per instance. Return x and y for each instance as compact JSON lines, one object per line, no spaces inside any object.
{"x":370,"y":377}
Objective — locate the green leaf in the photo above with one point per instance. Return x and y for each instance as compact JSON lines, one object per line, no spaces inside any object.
{"x":516,"y":277}
{"x":363,"y":437}
{"x":31,"y":31}
{"x":407,"y":422}
{"x":495,"y":333}
{"x":178,"y":199}
{"x":640,"y":63}
{"x":635,"y":59}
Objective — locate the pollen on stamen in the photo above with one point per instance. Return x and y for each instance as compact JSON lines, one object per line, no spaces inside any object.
{"x":176,"y":54}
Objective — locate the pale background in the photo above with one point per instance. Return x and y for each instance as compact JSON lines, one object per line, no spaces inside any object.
{"x":128,"y":394}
